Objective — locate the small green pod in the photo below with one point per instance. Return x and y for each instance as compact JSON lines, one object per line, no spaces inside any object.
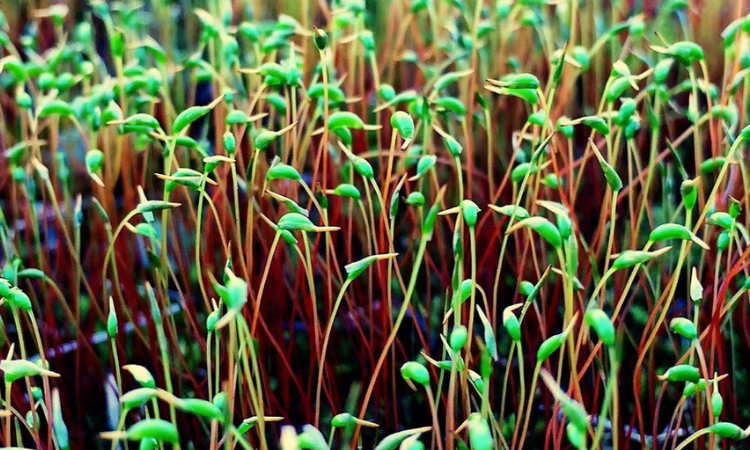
{"x":512,"y":325}
{"x":137,"y":397}
{"x":347,"y":190}
{"x":148,"y":444}
{"x":528,"y":95}
{"x":717,"y":403}
{"x":236,"y":295}
{"x":283,"y":171}
{"x":508,"y":210}
{"x":320,"y":39}
{"x":727,"y":430}
{"x":278,"y":103}
{"x":470,"y":212}
{"x":681,"y":373}
{"x":94,"y":160}
{"x":480,"y":436}
{"x":596,"y":123}
{"x":544,"y":227}
{"x":429,"y":222}
{"x":712,"y":165}
{"x":415,"y":199}
{"x":55,"y":108}
{"x":600,"y":322}
{"x":425,"y":163}
{"x":617,"y":88}
{"x":526,"y":288}
{"x":345,"y":135}
{"x":458,"y":338}
{"x":386,"y":92}
{"x":15,"y":369}
{"x":685,"y":52}
{"x":158,"y":429}
{"x":211,"y":321}
{"x":520,"y":81}
{"x":343,"y":420}
{"x":335,"y":94}
{"x":393,"y":441}
{"x":684,"y":328}
{"x":414,"y":371}
{"x":111,"y":320}
{"x":363,"y":168}
{"x":19,"y":299}
{"x":551,"y":181}
{"x":345,"y":119}
{"x":691,"y":388}
{"x":264,"y":139}
{"x":355,"y":269}
{"x":403,"y":123}
{"x":630,"y":258}
{"x":721,"y":219}
{"x":722,"y":242}
{"x":575,"y":412}
{"x":564,"y":127}
{"x":549,"y":346}
{"x":454,"y":147}
{"x":689,"y":192}
{"x":230,"y":142}
{"x":576,"y":436}
{"x":522,"y":170}
{"x":236,"y":117}
{"x":451,"y":104}
{"x":735,"y":208}
{"x":190,"y":115}
{"x":202,"y":408}
{"x":538,"y":118}
{"x":669,"y":231}
{"x":448,"y":79}
{"x":220,"y":400}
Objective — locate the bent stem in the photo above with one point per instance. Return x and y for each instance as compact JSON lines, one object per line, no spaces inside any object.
{"x":321,"y":366}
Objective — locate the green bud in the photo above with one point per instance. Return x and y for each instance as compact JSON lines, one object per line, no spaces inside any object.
{"x":469,"y":210}
{"x":112,"y":320}
{"x":320,"y":39}
{"x":511,"y":324}
{"x":157,"y":429}
{"x":681,"y":373}
{"x":230,"y":143}
{"x":727,"y":430}
{"x":717,"y":403}
{"x":458,"y":338}
{"x":403,"y":123}
{"x":415,"y":199}
{"x":684,"y":328}
{"x":600,"y":322}
{"x":669,"y":231}
{"x":416,"y":372}
{"x":549,"y":346}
